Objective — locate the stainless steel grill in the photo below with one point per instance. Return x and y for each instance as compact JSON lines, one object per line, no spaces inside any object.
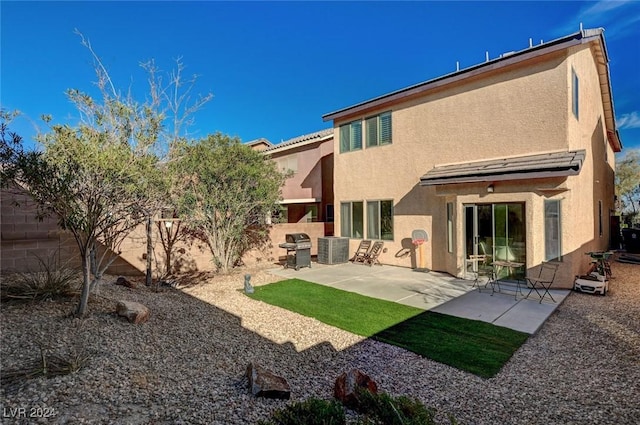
{"x":298,"y":246}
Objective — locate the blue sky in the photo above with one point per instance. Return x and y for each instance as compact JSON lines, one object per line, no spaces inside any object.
{"x":276,"y":67}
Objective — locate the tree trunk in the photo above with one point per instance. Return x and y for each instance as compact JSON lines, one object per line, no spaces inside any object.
{"x":86,"y":284}
{"x":168,"y":252}
{"x":149,"y":249}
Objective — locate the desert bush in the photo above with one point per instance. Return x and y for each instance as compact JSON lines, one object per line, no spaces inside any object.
{"x":48,"y":364}
{"x":382,"y":409}
{"x":48,"y":280}
{"x":312,"y":411}
{"x":372,"y":409}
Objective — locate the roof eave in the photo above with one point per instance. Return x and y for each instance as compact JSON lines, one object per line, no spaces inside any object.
{"x":278,"y":149}
{"x":539,"y":174}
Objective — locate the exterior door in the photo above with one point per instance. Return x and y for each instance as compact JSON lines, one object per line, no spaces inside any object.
{"x":478,"y":231}
{"x":496,"y":230}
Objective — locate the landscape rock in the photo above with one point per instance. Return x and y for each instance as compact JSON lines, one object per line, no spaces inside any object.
{"x":264,"y":383}
{"x":134,"y":312}
{"x":349,"y":382}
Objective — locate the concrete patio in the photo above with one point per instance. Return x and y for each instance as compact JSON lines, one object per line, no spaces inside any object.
{"x":439,"y":292}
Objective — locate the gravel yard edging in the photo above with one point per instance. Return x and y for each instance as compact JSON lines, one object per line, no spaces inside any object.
{"x":187,"y":364}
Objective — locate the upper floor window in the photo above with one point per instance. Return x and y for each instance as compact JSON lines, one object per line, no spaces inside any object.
{"x":288,"y":164}
{"x":351,"y":136}
{"x":379,"y":129}
{"x":575,"y":85}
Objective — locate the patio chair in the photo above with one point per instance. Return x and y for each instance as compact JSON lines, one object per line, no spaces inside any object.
{"x":372,"y":256}
{"x":543,"y":281}
{"x":361,"y":253}
{"x":482,"y":268}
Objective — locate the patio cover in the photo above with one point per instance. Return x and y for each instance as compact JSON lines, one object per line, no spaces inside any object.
{"x":556,"y":164}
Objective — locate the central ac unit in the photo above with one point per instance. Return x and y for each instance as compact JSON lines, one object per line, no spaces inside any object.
{"x":333,"y":250}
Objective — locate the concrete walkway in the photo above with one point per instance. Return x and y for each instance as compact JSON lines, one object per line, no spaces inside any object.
{"x":439,"y":292}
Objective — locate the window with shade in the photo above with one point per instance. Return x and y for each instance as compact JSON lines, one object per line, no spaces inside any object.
{"x":377,"y":132}
{"x":351,"y":136}
{"x":378,"y":129}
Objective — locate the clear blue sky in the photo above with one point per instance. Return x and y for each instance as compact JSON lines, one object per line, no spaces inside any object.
{"x":276,"y":67}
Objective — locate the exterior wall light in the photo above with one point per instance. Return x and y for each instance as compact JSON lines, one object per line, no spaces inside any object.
{"x":490,"y":188}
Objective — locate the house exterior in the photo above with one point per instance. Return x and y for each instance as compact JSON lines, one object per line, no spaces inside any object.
{"x":307,"y":204}
{"x":512,"y":158}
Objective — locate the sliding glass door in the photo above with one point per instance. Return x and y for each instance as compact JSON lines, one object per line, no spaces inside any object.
{"x":496,"y":230}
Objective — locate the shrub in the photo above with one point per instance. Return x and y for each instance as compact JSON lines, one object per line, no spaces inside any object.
{"x":312,"y":411}
{"x":381,"y":408}
{"x":49,"y":280}
{"x":48,"y":365}
{"x":374,"y":409}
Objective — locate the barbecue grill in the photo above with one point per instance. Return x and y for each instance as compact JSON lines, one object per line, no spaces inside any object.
{"x":298,"y":246}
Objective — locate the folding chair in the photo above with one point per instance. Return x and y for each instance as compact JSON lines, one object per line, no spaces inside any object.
{"x":372,"y":256}
{"x":482,"y":268}
{"x":544,"y":280}
{"x":361,"y":253}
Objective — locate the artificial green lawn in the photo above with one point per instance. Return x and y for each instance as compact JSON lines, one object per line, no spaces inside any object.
{"x":477,"y":347}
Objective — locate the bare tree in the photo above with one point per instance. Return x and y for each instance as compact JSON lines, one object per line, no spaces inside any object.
{"x":103,"y":177}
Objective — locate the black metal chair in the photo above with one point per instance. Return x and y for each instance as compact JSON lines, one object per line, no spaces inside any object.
{"x":543,"y":281}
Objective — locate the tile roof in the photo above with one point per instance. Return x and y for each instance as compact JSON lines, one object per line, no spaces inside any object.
{"x":259,"y":141}
{"x":301,"y":139}
{"x":523,"y":167}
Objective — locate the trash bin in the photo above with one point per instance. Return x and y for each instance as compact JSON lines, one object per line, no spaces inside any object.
{"x":631,"y":239}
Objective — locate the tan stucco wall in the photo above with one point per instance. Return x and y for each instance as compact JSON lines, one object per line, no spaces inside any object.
{"x":518,"y":111}
{"x":595,"y":183}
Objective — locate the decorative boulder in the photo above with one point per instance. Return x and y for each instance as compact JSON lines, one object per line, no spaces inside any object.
{"x":348,"y":383}
{"x":264,"y":383}
{"x":134,"y":312}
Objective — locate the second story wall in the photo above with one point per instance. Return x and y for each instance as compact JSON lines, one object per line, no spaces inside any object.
{"x":306,"y":182}
{"x":513,"y":112}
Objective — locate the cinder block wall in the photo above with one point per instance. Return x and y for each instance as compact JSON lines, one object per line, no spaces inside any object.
{"x":24,"y":238}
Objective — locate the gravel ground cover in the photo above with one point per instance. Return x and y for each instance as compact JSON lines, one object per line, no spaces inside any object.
{"x":186,"y":365}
